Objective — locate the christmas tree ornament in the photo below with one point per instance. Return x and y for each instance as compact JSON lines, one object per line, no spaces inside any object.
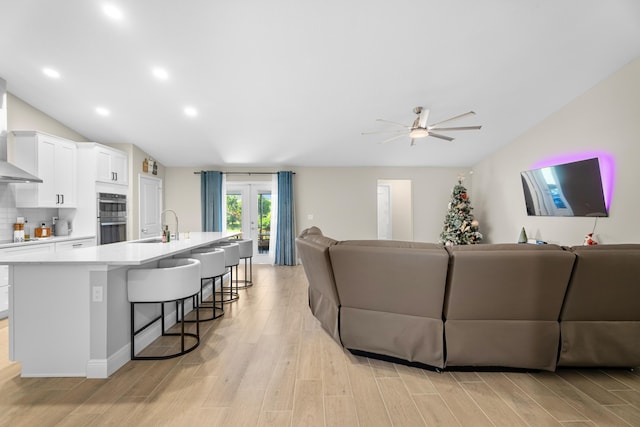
{"x":589,"y":241}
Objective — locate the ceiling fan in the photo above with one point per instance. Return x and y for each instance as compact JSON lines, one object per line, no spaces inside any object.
{"x":420,"y":129}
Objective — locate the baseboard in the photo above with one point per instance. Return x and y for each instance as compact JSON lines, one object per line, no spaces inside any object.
{"x":98,"y":368}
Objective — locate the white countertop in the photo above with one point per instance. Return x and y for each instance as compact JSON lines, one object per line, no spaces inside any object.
{"x":124,"y":253}
{"x":41,"y":241}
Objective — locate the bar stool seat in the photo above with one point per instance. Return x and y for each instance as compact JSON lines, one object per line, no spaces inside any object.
{"x":175,"y":279}
{"x":246,"y":253}
{"x":212,"y":266}
{"x":231,"y":261}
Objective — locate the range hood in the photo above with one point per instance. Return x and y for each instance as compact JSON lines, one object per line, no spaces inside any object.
{"x":9,"y":172}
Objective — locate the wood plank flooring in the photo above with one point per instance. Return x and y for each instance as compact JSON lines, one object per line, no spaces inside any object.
{"x":267,"y":362}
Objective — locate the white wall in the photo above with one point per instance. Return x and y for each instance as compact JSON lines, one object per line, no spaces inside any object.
{"x":605,"y":118}
{"x":22,"y":116}
{"x":342,"y":200}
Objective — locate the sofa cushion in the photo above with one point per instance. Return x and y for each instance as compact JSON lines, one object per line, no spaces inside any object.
{"x":394,"y":277}
{"x":605,"y":284}
{"x":507,"y":284}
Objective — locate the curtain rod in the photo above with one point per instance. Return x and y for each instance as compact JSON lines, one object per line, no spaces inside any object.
{"x":244,"y":173}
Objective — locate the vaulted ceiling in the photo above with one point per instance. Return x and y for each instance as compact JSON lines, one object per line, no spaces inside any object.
{"x":296,"y":82}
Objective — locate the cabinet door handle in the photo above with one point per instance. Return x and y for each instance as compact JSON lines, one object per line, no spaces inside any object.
{"x":57,"y":199}
{"x":116,"y":176}
{"x":62,"y":199}
{"x":77,"y":245}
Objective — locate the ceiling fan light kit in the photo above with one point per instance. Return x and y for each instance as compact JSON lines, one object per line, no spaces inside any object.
{"x":418,"y":133}
{"x":420,"y":129}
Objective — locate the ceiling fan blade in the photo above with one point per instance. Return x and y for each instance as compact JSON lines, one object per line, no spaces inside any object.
{"x":470,"y":113}
{"x":391,"y":139}
{"x":456,"y":128}
{"x":424,"y":116}
{"x":393,"y":123}
{"x":384,"y":131}
{"x":436,"y":135}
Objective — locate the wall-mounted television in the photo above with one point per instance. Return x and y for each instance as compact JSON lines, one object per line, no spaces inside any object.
{"x":569,"y":189}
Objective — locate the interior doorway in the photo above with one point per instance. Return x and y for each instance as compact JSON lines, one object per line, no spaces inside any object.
{"x":150,"y":202}
{"x":395,"y":209}
{"x":249,"y":212}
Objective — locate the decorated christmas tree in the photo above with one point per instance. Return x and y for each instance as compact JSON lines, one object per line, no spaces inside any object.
{"x":459,"y":226}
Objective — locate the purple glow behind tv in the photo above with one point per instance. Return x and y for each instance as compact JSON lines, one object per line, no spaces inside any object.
{"x":605,"y":160}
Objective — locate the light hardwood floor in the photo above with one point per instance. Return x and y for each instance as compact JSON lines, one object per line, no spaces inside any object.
{"x":268,"y":363}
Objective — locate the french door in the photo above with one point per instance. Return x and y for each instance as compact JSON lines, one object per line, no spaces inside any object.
{"x":249,"y":212}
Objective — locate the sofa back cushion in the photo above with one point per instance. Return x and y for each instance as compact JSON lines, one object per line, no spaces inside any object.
{"x":507,"y":282}
{"x":605,"y":284}
{"x":391,"y":276}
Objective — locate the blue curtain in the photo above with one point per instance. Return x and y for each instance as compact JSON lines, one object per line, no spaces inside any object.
{"x":211,"y":200}
{"x":285,"y":235}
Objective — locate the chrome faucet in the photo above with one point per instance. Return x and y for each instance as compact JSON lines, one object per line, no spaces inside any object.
{"x":175,"y":215}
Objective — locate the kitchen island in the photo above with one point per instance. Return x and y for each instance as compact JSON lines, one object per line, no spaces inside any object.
{"x":69,"y":313}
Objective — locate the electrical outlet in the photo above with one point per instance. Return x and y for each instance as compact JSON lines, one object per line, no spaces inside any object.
{"x":97,"y":294}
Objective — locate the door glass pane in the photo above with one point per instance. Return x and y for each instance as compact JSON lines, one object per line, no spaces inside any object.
{"x":264,"y":221}
{"x":234,"y":212}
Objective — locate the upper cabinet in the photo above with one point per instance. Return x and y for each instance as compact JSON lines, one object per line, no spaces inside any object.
{"x":111,"y":165}
{"x":52,"y":159}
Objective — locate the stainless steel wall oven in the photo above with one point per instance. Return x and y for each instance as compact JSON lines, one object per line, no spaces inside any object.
{"x":112,"y":218}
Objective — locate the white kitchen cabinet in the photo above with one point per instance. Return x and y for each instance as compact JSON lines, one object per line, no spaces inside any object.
{"x":35,"y":248}
{"x":4,"y":271}
{"x":51,"y":159}
{"x":74,"y":244}
{"x":111,"y":165}
{"x":38,"y":248}
{"x":4,"y":291}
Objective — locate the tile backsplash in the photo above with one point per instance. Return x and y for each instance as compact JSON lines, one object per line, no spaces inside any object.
{"x":9,"y":213}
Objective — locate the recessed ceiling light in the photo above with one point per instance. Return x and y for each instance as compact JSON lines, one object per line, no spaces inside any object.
{"x":160,"y":73}
{"x":190,"y":111}
{"x":102,"y":111}
{"x":51,"y":73}
{"x":112,"y":11}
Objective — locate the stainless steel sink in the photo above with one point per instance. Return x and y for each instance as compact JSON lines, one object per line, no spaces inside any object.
{"x":152,"y":240}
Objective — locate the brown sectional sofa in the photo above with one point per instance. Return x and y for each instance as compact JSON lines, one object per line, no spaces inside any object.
{"x":505,"y":305}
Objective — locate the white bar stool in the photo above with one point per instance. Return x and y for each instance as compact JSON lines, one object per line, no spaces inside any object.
{"x":231,"y":261}
{"x":212,"y":266}
{"x":175,"y":279}
{"x":246,"y":253}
